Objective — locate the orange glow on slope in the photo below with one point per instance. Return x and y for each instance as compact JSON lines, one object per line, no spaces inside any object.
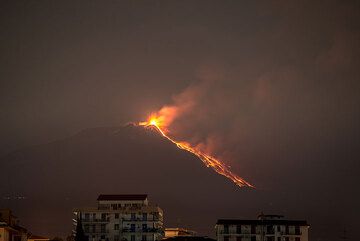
{"x":209,"y":161}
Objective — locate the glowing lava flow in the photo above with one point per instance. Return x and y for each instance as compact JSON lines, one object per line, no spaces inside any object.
{"x":208,"y":160}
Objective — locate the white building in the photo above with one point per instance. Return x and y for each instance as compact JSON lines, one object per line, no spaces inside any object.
{"x":122,"y":218}
{"x":265,"y":228}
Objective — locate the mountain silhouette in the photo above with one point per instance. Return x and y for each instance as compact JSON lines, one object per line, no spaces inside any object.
{"x":43,"y":183}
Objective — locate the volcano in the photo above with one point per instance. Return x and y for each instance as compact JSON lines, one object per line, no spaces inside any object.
{"x":43,"y":183}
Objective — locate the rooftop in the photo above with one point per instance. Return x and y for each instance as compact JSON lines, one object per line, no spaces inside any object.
{"x":262,"y":222}
{"x":122,"y":197}
{"x":37,"y":237}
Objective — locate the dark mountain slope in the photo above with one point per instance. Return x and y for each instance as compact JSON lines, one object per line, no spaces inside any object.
{"x":61,"y":175}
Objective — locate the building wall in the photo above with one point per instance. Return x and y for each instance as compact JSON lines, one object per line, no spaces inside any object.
{"x":260,"y":233}
{"x":133,"y":223}
{"x":4,"y":234}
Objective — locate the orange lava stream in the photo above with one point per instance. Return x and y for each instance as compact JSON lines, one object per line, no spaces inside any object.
{"x":208,"y":160}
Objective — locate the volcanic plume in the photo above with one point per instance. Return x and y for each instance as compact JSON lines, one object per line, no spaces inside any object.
{"x":208,"y":160}
{"x":162,"y":120}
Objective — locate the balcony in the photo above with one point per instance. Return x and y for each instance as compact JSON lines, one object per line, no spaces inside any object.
{"x":141,"y":220}
{"x":96,"y":231}
{"x":96,"y":220}
{"x":140,"y":230}
{"x":291,"y":233}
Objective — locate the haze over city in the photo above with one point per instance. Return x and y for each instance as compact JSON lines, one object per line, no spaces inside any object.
{"x":217,"y":110}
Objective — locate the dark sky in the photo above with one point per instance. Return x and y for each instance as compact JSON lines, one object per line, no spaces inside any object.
{"x":275,"y":85}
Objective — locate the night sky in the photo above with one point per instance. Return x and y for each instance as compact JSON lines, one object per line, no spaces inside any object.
{"x":273,"y":89}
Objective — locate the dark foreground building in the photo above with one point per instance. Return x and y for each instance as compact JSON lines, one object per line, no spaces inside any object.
{"x":265,"y":228}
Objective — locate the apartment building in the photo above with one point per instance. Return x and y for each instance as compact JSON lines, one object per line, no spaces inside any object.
{"x":265,"y":228}
{"x":10,"y":229}
{"x":122,"y":218}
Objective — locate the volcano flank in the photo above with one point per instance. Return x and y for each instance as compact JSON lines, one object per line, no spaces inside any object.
{"x":59,"y":176}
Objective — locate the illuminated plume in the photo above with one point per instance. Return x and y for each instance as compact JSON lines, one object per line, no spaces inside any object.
{"x":159,"y":123}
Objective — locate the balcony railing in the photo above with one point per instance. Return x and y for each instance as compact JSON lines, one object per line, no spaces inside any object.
{"x":141,"y":219}
{"x":96,"y":231}
{"x":140,"y":230}
{"x":291,"y":233}
{"x":95,"y":220}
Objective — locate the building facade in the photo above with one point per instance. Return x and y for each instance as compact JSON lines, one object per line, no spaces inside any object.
{"x":122,"y":218}
{"x":10,"y":229}
{"x":265,"y":228}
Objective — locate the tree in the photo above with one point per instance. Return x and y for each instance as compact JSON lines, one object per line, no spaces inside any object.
{"x":80,"y":236}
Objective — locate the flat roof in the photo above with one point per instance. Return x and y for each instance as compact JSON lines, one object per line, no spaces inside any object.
{"x":37,"y":237}
{"x":122,"y":197}
{"x":262,"y":222}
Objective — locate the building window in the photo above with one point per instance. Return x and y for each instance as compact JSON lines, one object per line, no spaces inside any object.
{"x":226,"y":238}
{"x":269,"y":229}
{"x":144,"y":227}
{"x":103,"y":228}
{"x":93,"y":228}
{"x":132,"y":238}
{"x":102,"y":236}
{"x":87,"y":216}
{"x":253,"y":229}
{"x":271,"y":238}
{"x":238,"y":228}
{"x":278,"y":228}
{"x":143,"y":238}
{"x":132,"y":227}
{"x":253,"y":238}
{"x":103,"y":216}
{"x":286,"y":229}
{"x":238,"y":238}
{"x":287,"y":239}
{"x":116,"y":237}
{"x":86,"y":228}
{"x":116,"y":216}
{"x":114,"y":206}
{"x":279,"y":239}
{"x":226,"y":229}
{"x":297,"y":239}
{"x":144,"y":216}
{"x":133,"y":216}
{"x":116,"y":226}
{"x":297,"y":230}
